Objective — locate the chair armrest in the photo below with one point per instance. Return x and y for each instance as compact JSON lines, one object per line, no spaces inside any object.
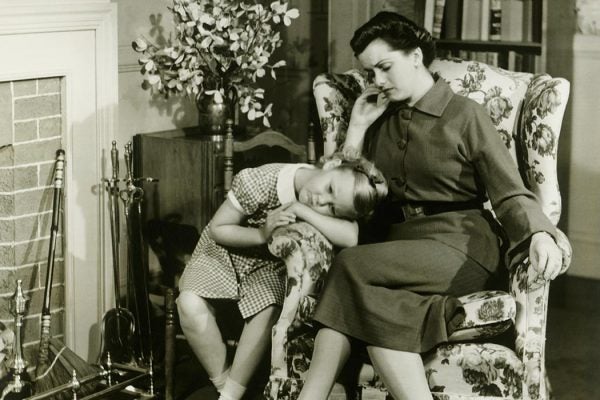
{"x":487,"y":314}
{"x":307,"y":255}
{"x":306,"y":252}
{"x":530,"y":291}
{"x":567,"y":251}
{"x":530,"y":278}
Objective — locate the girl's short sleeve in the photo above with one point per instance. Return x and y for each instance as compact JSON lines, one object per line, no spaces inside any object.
{"x":250,"y":190}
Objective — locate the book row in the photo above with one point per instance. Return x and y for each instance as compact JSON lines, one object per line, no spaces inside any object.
{"x":511,"y":60}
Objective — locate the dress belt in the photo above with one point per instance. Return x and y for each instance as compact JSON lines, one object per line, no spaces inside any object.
{"x":402,"y":211}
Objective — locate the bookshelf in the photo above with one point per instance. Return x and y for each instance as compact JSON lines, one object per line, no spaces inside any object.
{"x":506,"y":33}
{"x":519,"y":46}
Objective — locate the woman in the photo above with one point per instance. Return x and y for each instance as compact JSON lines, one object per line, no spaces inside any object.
{"x":442,"y":157}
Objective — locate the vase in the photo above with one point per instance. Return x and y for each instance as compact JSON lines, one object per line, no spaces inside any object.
{"x":212,"y":116}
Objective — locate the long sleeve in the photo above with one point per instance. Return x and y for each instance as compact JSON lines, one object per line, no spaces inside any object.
{"x":516,"y":208}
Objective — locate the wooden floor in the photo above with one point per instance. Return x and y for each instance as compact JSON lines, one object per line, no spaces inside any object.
{"x":209,"y":393}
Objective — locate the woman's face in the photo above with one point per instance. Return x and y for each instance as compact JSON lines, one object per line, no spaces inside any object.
{"x":330,"y":192}
{"x":392,"y":71}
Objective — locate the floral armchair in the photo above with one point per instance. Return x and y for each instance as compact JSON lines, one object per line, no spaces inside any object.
{"x":527,"y":111}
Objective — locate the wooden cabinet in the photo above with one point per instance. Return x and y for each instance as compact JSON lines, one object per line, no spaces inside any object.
{"x":189,"y":169}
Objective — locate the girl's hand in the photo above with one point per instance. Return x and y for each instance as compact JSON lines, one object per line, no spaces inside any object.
{"x":545,"y":255}
{"x":280,"y":216}
{"x":368,"y":107}
{"x":298,"y":209}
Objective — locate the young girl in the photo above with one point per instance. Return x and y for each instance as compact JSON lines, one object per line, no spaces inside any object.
{"x":231,"y":260}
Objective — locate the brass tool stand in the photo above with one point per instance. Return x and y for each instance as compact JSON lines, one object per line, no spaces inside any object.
{"x":114,"y":378}
{"x":19,"y":385}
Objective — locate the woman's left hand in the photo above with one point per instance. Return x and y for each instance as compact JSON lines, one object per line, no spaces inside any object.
{"x":545,"y":255}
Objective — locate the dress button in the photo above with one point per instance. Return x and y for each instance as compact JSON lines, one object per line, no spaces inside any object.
{"x":401,"y":144}
{"x":406,"y":113}
{"x":399,"y":181}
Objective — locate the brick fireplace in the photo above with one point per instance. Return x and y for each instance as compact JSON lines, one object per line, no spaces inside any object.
{"x":58,"y":89}
{"x":31,"y":132}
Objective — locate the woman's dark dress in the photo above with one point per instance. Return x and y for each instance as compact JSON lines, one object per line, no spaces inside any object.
{"x":399,"y":294}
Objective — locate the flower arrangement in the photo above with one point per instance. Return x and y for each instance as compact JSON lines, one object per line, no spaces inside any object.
{"x":221,"y":48}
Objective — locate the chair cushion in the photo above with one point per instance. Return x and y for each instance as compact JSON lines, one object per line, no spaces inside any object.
{"x":470,"y":369}
{"x":488,"y":313}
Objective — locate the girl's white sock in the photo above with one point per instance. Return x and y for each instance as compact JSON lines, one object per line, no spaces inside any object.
{"x":219,"y":381}
{"x":232,"y":390}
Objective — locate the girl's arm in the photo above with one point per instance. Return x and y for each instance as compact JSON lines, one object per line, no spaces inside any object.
{"x":340,"y":232}
{"x":225,"y":227}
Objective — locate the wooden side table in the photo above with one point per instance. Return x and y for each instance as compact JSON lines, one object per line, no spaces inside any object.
{"x":189,"y":169}
{"x":190,"y":173}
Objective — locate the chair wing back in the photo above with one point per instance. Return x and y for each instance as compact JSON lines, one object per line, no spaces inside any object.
{"x":526,"y":109}
{"x":335,"y":95}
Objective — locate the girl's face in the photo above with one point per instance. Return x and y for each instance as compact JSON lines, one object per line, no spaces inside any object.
{"x":392,"y":71}
{"x":330,"y":192}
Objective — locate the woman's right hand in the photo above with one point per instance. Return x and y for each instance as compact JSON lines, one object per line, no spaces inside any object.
{"x":368,"y":107}
{"x":277,"y":217}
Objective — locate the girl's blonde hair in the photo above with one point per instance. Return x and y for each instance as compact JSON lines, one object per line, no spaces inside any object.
{"x":370,"y":186}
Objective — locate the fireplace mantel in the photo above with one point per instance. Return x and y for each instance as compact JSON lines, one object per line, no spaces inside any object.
{"x":77,"y":41}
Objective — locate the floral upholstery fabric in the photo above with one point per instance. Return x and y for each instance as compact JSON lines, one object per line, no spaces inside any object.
{"x":485,"y":369}
{"x":488,"y":313}
{"x":307,"y":255}
{"x":337,"y":93}
{"x":527,"y":111}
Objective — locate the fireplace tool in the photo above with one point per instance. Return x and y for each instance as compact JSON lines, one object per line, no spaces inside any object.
{"x":55,"y":362}
{"x":118,"y":324}
{"x":137,"y":267}
{"x":19,"y":384}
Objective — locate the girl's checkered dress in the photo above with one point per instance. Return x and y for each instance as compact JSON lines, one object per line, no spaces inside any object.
{"x":250,"y":275}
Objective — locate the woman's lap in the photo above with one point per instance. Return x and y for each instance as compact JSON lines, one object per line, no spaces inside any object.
{"x":424,"y":266}
{"x":398,"y":294}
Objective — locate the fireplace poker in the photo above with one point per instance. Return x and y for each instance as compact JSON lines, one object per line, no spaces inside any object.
{"x":42,"y":361}
{"x":118,"y":324}
{"x":55,"y":361}
{"x":132,"y":197}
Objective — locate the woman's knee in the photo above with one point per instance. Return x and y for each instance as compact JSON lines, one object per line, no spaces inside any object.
{"x":347,"y":262}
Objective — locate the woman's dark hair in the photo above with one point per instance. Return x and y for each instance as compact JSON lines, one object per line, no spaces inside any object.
{"x":399,"y":32}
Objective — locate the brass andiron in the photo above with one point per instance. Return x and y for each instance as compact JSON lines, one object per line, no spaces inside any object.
{"x":19,"y":385}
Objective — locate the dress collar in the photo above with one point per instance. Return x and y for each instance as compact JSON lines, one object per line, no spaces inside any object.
{"x":436,"y":99}
{"x":285,"y":182}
